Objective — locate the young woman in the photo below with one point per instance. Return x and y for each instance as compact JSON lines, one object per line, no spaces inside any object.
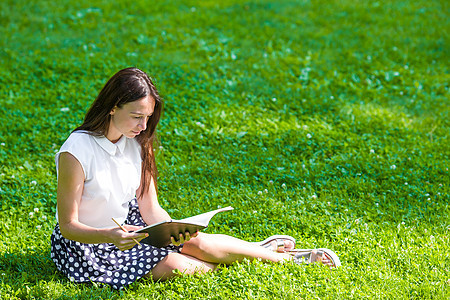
{"x":106,"y":169}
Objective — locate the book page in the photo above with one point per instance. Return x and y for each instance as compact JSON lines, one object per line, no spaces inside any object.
{"x":203,"y":219}
{"x":160,"y":233}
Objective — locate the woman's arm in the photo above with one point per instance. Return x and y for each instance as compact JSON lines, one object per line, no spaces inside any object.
{"x":153,"y":213}
{"x":70,"y":189}
{"x":149,"y":206}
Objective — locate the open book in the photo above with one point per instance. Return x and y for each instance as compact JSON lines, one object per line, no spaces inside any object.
{"x":159,"y":234}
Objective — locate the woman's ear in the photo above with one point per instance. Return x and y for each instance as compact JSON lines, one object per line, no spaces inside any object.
{"x":113,"y":111}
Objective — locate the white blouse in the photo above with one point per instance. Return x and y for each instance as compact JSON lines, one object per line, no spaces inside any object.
{"x":112,"y":174}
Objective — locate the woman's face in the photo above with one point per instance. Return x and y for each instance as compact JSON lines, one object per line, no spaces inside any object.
{"x":130,"y":119}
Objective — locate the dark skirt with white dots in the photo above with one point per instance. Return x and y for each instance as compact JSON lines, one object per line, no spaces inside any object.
{"x":105,"y":263}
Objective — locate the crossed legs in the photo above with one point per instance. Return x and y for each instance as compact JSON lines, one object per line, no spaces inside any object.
{"x":203,"y":253}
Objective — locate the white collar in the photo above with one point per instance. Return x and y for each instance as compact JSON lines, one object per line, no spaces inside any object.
{"x":109,"y":146}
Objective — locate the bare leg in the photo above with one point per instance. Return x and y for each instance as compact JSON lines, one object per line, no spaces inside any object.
{"x":184,"y":263}
{"x":224,"y":249}
{"x":204,"y":252}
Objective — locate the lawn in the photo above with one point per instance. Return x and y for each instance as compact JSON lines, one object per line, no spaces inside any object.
{"x":324,"y":120}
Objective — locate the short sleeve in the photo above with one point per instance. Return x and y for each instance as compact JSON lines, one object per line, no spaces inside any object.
{"x":78,"y":145}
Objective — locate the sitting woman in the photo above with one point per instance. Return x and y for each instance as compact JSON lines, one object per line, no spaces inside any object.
{"x":106,"y":170}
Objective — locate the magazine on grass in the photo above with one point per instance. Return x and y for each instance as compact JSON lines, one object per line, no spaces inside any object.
{"x":159,"y":234}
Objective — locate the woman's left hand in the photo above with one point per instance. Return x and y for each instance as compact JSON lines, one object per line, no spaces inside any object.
{"x":182,"y":238}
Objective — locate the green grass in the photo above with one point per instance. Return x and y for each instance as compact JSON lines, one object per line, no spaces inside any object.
{"x":325,"y":120}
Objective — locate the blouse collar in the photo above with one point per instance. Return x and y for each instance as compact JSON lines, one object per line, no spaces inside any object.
{"x":111,"y":147}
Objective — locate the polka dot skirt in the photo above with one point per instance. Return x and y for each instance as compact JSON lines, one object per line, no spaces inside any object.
{"x":105,"y":263}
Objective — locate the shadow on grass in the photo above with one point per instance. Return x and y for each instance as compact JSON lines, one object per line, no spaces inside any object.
{"x":28,"y":268}
{"x":34,"y":275}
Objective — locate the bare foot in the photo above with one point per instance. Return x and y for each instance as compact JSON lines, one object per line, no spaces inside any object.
{"x":323,"y":256}
{"x":279,"y":243}
{"x":282,"y":245}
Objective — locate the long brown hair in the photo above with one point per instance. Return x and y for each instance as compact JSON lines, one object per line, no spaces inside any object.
{"x":126,"y":86}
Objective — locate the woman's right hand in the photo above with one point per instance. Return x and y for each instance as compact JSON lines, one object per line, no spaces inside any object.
{"x":126,"y":240}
